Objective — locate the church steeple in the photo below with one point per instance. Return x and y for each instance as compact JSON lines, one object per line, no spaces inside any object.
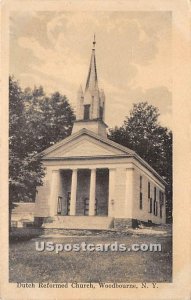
{"x":92,"y":82}
{"x":91,"y":103}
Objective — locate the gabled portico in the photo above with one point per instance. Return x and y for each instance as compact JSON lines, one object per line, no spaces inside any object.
{"x":82,"y":172}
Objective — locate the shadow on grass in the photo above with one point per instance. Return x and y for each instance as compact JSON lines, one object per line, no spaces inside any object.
{"x":24,"y":234}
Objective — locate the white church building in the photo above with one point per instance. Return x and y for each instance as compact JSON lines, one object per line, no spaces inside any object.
{"x":92,"y":182}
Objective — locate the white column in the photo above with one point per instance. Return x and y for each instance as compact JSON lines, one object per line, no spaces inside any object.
{"x":111,"y":200}
{"x":92,"y":192}
{"x":73,"y":192}
{"x":54,"y":192}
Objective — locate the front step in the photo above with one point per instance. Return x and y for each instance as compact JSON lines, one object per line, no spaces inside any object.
{"x":79,"y":222}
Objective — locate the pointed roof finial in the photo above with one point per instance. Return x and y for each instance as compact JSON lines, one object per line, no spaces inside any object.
{"x":94,"y":42}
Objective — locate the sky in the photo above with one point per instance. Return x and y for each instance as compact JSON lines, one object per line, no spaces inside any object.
{"x":133,"y":53}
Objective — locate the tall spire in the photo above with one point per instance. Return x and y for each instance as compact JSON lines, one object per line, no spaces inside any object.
{"x":92,"y":81}
{"x":90,"y":112}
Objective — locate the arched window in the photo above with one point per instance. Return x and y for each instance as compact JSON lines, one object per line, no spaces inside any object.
{"x":101,"y":112}
{"x":86,"y":112}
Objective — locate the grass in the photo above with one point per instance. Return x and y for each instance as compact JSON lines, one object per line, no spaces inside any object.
{"x":29,"y":265}
{"x":24,"y":234}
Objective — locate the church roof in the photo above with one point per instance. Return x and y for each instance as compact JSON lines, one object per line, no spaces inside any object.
{"x":85,"y":131}
{"x":120,"y":151}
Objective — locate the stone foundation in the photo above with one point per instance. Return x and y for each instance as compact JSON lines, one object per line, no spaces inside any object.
{"x":123,"y":223}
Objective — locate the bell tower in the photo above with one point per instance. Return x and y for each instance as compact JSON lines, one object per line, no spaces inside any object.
{"x":90,"y":112}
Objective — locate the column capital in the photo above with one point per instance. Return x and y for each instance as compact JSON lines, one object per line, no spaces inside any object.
{"x":130,"y":166}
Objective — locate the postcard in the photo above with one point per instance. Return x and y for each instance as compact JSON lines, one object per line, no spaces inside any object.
{"x":95,"y":149}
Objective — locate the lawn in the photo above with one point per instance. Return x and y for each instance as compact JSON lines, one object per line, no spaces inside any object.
{"x":29,"y":265}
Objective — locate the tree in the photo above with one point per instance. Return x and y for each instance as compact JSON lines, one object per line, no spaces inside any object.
{"x":142,"y":133}
{"x":36,"y":122}
{"x":49,"y":119}
{"x":25,"y":167}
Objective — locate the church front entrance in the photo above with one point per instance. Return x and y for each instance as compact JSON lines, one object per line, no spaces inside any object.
{"x":89,"y":190}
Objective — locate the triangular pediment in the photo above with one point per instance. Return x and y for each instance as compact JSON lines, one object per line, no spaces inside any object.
{"x":85,"y":145}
